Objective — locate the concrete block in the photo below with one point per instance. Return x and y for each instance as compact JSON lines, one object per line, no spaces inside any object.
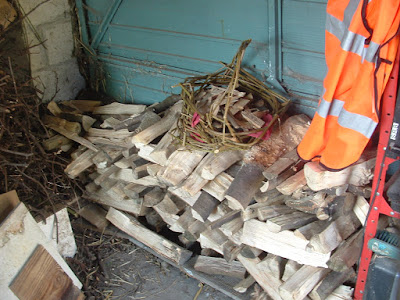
{"x":59,"y":41}
{"x":37,"y":54}
{"x":59,"y":82}
{"x":46,"y":12}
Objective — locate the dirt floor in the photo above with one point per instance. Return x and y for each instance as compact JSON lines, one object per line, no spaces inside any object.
{"x":114,"y":268}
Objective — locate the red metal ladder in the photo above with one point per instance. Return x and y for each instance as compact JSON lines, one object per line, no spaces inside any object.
{"x":378,"y":203}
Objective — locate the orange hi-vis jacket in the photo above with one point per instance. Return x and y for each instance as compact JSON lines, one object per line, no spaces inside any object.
{"x":361,"y":42}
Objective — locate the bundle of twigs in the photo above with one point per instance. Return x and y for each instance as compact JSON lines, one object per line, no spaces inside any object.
{"x":214,"y":132}
{"x":37,"y":176}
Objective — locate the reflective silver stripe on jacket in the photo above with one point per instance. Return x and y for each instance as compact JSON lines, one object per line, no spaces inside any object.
{"x":350,"y":41}
{"x":353,"y":121}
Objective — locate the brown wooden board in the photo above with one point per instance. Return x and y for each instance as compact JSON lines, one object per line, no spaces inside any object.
{"x":42,"y":278}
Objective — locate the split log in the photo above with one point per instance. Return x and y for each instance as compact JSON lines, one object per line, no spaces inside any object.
{"x":148,"y":118}
{"x":219,"y":163}
{"x":272,"y":197}
{"x":244,"y":186}
{"x":276,"y":264}
{"x":231,"y":250}
{"x":82,"y":105}
{"x":262,"y":275}
{"x":332,"y":281}
{"x":342,"y":205}
{"x":219,"y":266}
{"x":169,"y":208}
{"x":195,"y":182}
{"x":157,"y":129}
{"x":133,"y":190}
{"x":252,"y":119}
{"x":153,"y":169}
{"x":343,"y":292}
{"x":281,"y":165}
{"x":290,"y":221}
{"x":302,"y":282}
{"x":127,"y":162}
{"x":361,"y":209}
{"x":180,"y":165}
{"x":160,"y":245}
{"x":263,"y":155}
{"x":179,"y":192}
{"x":183,"y":222}
{"x":291,"y":268}
{"x":141,"y":171}
{"x":308,"y":231}
{"x":134,"y":206}
{"x":165,"y":147}
{"x":364,"y":191}
{"x":107,"y":172}
{"x":95,"y":214}
{"x":273,"y":183}
{"x":316,"y":204}
{"x":264,"y":211}
{"x":334,"y":234}
{"x":347,"y":254}
{"x":69,"y":130}
{"x":243,"y":285}
{"x":318,"y":178}
{"x":293,"y":183}
{"x":204,"y":206}
{"x":155,"y":220}
{"x":213,"y":239}
{"x":219,"y":186}
{"x":80,"y":164}
{"x":225,"y":219}
{"x":55,"y":142}
{"x":231,"y":227}
{"x":153,"y":197}
{"x":284,"y":243}
{"x":116,"y":108}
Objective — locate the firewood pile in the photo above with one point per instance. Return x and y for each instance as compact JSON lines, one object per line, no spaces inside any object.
{"x":259,"y":215}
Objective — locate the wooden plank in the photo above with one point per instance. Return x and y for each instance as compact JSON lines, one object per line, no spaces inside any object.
{"x":284,"y":243}
{"x":42,"y":268}
{"x":159,"y":244}
{"x":302,"y":282}
{"x":219,"y":266}
{"x":116,"y":108}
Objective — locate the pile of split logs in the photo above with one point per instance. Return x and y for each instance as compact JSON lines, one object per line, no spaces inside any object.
{"x":259,"y":215}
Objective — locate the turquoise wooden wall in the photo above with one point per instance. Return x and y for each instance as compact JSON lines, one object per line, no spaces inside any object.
{"x":144,"y":48}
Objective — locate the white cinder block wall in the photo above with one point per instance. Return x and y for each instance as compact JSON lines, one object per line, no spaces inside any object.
{"x":53,"y":66}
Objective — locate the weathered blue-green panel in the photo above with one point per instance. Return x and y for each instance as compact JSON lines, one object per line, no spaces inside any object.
{"x":149,"y":46}
{"x":303,"y":61}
